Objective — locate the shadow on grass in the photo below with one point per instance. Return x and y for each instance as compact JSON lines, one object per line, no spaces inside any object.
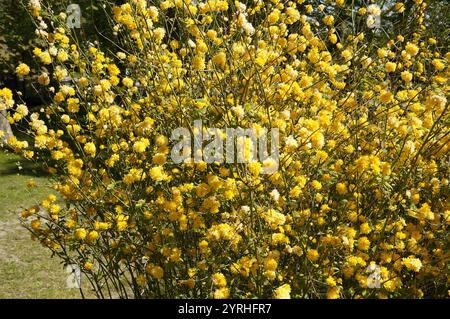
{"x":12,"y":164}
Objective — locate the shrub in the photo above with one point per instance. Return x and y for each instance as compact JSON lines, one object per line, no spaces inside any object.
{"x":358,"y":207}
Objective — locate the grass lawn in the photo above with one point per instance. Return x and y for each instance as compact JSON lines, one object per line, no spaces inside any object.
{"x":26,"y":268}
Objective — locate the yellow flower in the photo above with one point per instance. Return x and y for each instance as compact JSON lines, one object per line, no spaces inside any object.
{"x":406,"y":76}
{"x":22,"y":69}
{"x":88,"y":266}
{"x":274,"y":16}
{"x":279,"y":238}
{"x":374,"y":10}
{"x":70,"y":223}
{"x":140,"y":146}
{"x":157,"y":173}
{"x":190,"y":283}
{"x":72,"y":105}
{"x":328,"y":20}
{"x":333,"y":38}
{"x":127,"y":82}
{"x":198,"y":62}
{"x":365,"y":228}
{"x":80,"y":233}
{"x":122,"y":222}
{"x":362,"y":135}
{"x":62,"y":56}
{"x":271,"y":264}
{"x":220,"y":59}
{"x":333,"y":293}
{"x":90,"y":149}
{"x":159,"y":159}
{"x":312,"y":255}
{"x":222,"y":293}
{"x":412,"y":263}
{"x":438,"y":64}
{"x":159,"y":34}
{"x":390,"y":67}
{"x":316,"y":185}
{"x":411,"y":49}
{"x":44,"y":79}
{"x":330,"y":281}
{"x":399,"y":7}
{"x":35,"y":7}
{"x":385,"y":97}
{"x":92,"y":236}
{"x":317,"y":140}
{"x":219,"y":280}
{"x":31,"y":183}
{"x":6,"y":99}
{"x":283,"y":292}
{"x":363,"y":243}
{"x":35,"y":224}
{"x":155,"y":271}
{"x":341,"y":188}
{"x":83,"y":81}
{"x":292,"y":15}
{"x":101,"y":225}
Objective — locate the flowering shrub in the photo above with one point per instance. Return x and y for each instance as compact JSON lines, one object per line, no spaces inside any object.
{"x":358,"y":206}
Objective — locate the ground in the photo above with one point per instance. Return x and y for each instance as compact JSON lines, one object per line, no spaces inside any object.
{"x":26,"y":268}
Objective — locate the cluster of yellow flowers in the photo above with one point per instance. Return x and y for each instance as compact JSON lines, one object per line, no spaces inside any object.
{"x":363,"y":178}
{"x":6,"y":99}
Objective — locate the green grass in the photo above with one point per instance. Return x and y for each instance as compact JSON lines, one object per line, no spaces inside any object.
{"x":26,"y":268}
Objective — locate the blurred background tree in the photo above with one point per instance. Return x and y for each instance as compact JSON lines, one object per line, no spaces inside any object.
{"x":439,"y":25}
{"x":17,"y":36}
